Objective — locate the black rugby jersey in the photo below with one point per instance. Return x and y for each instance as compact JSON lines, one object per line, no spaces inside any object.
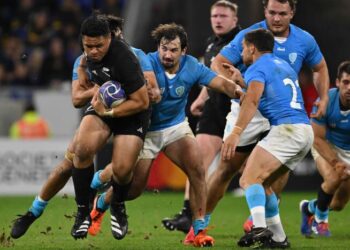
{"x":119,"y":64}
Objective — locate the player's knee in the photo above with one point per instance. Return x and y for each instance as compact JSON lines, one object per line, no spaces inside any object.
{"x":196,"y":174}
{"x":243,"y":182}
{"x":121,"y":172}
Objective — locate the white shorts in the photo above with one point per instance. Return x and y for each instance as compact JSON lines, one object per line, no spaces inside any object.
{"x":255,"y":128}
{"x":343,"y":155}
{"x":289,"y":143}
{"x":155,"y":141}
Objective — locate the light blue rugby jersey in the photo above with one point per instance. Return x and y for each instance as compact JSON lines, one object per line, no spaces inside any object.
{"x":171,"y":109}
{"x":75,"y":68}
{"x":300,"y":47}
{"x":337,"y":122}
{"x":143,"y":59}
{"x":281,"y":101}
{"x":141,"y":56}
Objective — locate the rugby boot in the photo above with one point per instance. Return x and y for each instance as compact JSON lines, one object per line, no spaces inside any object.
{"x":21,"y":224}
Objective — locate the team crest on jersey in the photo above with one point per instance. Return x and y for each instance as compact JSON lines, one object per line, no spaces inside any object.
{"x":293,"y":57}
{"x":180,"y":90}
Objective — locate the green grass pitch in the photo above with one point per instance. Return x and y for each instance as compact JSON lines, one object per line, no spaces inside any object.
{"x":52,"y":229}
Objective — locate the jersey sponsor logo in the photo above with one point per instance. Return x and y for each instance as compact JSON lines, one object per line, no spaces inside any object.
{"x":281,"y":49}
{"x":180,"y":90}
{"x":292,"y":57}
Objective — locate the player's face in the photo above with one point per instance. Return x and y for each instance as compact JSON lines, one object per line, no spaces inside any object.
{"x":223,"y":20}
{"x":170,"y":53}
{"x":247,"y":56}
{"x":96,"y":47}
{"x":344,"y":88}
{"x":278,"y":17}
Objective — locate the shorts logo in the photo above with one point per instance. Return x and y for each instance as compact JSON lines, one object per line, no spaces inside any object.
{"x":292,"y":57}
{"x":180,"y":91}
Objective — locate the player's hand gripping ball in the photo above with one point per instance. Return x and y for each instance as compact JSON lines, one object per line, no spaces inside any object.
{"x":112,"y":94}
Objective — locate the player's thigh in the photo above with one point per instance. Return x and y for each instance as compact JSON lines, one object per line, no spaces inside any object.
{"x":260,"y":165}
{"x":126,"y":149}
{"x":184,"y":153}
{"x":209,"y":145}
{"x":325,"y":169}
{"x":92,"y":135}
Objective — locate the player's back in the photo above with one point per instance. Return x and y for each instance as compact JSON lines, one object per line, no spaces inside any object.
{"x":281,"y":102}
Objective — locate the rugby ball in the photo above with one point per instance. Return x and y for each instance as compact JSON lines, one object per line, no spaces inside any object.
{"x":112,"y":94}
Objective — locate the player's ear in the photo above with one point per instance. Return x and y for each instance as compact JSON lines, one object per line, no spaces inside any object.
{"x":183,"y":52}
{"x":337,"y":83}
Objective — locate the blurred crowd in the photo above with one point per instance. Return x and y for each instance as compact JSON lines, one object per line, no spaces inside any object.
{"x":39,"y":39}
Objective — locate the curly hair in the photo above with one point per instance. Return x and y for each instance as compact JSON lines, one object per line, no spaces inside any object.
{"x":170,"y":32}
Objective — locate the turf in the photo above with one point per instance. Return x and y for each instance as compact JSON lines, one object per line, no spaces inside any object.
{"x":52,"y":230}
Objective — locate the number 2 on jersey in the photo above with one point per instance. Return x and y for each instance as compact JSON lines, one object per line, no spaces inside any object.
{"x":294,"y":85}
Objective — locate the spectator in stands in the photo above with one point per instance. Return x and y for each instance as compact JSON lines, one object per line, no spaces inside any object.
{"x":56,"y":67}
{"x":30,"y":125}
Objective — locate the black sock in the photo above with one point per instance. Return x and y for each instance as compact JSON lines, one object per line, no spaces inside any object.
{"x":120,"y":192}
{"x":323,"y":200}
{"x":187,"y":208}
{"x":84,"y":195}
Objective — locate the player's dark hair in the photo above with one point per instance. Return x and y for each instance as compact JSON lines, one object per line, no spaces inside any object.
{"x":169,"y":32}
{"x":115,"y":23}
{"x":344,"y":67}
{"x":262,"y":39}
{"x":94,"y":26}
{"x":226,"y":4}
{"x":292,"y":3}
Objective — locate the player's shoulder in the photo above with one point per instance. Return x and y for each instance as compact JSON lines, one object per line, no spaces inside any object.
{"x":120,"y":48}
{"x":300,"y":33}
{"x":333,"y":94}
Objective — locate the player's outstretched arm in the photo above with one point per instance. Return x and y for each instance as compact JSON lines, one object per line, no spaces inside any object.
{"x":321,"y":81}
{"x":321,"y":144}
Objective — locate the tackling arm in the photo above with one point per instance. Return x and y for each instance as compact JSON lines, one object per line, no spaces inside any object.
{"x":321,"y":81}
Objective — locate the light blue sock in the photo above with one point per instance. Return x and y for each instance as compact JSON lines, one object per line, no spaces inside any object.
{"x":101,"y":204}
{"x":312,"y":206}
{"x":271,"y":206}
{"x":321,"y":215}
{"x":38,"y":206}
{"x":255,"y":196}
{"x":198,"y":225}
{"x":96,"y":182}
{"x":207,"y":218}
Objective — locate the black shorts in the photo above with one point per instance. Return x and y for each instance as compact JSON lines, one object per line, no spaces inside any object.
{"x":213,"y":119}
{"x":136,"y":124}
{"x":249,"y":148}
